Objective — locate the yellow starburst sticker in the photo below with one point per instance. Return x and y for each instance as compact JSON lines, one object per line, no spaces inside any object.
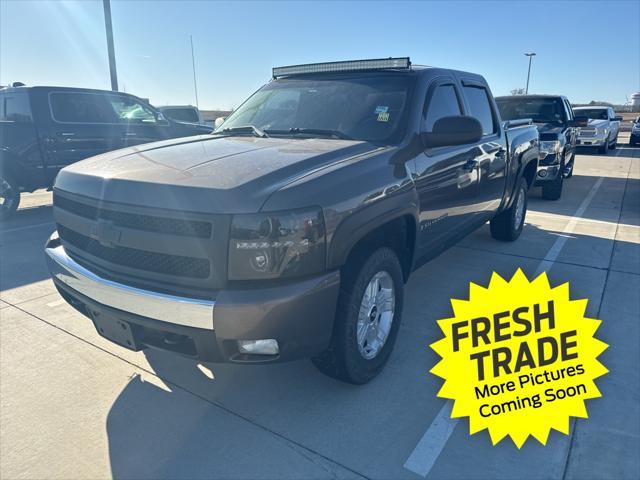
{"x":519,"y":358}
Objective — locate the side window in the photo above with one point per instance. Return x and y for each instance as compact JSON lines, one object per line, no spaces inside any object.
{"x":130,"y":110}
{"x":568,"y":112}
{"x":443,"y":103}
{"x":81,"y":108}
{"x":480,"y":108}
{"x":15,"y":108}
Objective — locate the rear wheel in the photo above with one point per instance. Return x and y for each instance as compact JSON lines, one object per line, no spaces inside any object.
{"x":367,"y":318}
{"x":9,"y":197}
{"x":507,"y":226}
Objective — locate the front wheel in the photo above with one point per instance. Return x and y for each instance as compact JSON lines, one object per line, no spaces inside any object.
{"x":367,"y":318}
{"x":614,"y":143}
{"x":507,"y":226}
{"x":552,"y":189}
{"x":604,"y":149}
{"x":9,"y":197}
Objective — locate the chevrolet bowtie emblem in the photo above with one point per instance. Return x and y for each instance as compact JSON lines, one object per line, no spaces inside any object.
{"x":105,"y":233}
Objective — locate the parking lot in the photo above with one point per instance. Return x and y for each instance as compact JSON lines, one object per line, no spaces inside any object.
{"x":74,"y":405}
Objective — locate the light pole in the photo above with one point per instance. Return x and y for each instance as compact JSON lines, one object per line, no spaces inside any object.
{"x":193,"y":64}
{"x":112,"y":54}
{"x":530,"y":55}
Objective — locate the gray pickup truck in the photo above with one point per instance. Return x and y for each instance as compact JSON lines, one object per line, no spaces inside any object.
{"x":291,"y":230}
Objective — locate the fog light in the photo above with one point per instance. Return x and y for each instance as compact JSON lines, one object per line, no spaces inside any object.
{"x":259,"y":347}
{"x":542,"y":173}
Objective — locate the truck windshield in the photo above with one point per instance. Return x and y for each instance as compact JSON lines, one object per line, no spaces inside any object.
{"x":540,"y":110}
{"x":370,"y":108}
{"x":592,"y":113}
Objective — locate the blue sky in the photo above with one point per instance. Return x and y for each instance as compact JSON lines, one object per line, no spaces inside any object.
{"x":586,"y":50}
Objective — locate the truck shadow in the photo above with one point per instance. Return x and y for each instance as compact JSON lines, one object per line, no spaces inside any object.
{"x":221,"y":424}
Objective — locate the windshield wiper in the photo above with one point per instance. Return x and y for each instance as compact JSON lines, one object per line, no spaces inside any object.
{"x":252,"y":129}
{"x":312,"y":131}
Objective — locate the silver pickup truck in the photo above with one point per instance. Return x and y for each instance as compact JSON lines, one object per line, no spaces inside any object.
{"x":602,"y":129}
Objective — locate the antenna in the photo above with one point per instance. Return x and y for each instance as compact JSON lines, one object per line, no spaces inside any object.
{"x":193,"y":63}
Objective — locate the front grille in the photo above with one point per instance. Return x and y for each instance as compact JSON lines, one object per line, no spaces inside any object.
{"x":177,"y":265}
{"x":149,"y":223}
{"x":177,"y":252}
{"x":591,"y":132}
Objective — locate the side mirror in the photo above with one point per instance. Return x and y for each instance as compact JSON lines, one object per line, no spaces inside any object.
{"x":579,"y":122}
{"x":219,"y":121}
{"x":450,"y":131}
{"x":617,"y":119}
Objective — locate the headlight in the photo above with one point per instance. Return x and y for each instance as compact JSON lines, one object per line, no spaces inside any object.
{"x":552,"y":146}
{"x":601,"y":131}
{"x":277,"y":244}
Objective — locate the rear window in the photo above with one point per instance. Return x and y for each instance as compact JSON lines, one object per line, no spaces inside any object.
{"x":14,"y":107}
{"x":480,"y":108}
{"x":188,"y":115}
{"x":592,"y":113}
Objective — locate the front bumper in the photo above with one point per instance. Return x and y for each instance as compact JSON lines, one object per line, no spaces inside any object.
{"x":546,"y":173}
{"x":299,"y":315}
{"x":595,"y":141}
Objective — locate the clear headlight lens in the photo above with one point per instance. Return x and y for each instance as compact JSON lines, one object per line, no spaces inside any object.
{"x":601,"y":131}
{"x":552,"y":146}
{"x":277,"y":244}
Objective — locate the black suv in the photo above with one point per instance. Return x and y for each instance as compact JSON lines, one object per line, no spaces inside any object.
{"x":43,"y":129}
{"x":558,"y":128}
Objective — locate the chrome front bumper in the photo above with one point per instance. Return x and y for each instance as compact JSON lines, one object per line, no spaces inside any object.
{"x":158,"y":306}
{"x":594,"y":140}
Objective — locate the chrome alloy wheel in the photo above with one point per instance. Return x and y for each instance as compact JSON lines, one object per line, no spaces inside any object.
{"x":519,"y":213}
{"x":376,"y":315}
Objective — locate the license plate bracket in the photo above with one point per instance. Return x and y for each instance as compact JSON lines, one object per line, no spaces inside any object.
{"x":116,"y":330}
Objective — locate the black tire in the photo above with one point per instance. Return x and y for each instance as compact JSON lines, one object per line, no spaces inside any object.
{"x":9,"y":197}
{"x":506,"y":226}
{"x":604,"y":149}
{"x":614,"y":144}
{"x":343,"y":359}
{"x":572,"y":164}
{"x":552,"y":190}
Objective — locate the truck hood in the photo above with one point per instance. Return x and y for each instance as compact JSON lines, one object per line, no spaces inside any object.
{"x":593,"y":123}
{"x":549,"y":131}
{"x":207,"y":174}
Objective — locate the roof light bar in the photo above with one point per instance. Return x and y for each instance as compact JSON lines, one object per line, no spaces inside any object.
{"x":348,"y":66}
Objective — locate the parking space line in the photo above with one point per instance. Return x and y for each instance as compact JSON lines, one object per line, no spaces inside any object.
{"x":18,"y":229}
{"x":433,"y":441}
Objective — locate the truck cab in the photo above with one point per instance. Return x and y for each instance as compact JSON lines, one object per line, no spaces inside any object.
{"x":44,"y":129}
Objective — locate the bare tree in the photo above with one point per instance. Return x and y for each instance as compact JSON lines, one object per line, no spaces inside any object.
{"x":517,"y":91}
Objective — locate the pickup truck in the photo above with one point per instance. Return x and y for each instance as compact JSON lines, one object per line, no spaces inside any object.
{"x":601,"y":130}
{"x":291,"y":230}
{"x":558,"y":129}
{"x":634,"y":137}
{"x":43,"y":129}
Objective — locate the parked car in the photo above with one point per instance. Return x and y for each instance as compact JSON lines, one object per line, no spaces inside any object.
{"x":291,"y":231}
{"x":183,"y":113}
{"x":634,"y":138}
{"x":558,"y":133}
{"x":602,"y":128}
{"x":43,"y":129}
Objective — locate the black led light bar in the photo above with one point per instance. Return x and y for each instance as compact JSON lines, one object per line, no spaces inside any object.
{"x":347,"y":66}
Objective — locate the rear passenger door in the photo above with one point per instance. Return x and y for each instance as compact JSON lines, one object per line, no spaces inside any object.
{"x":446,"y":178}
{"x":491,"y":158}
{"x":84,"y":124}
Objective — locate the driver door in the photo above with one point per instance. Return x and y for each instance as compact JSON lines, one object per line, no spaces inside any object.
{"x":446,"y":178}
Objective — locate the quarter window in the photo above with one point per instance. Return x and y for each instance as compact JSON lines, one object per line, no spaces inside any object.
{"x":443,"y":103}
{"x":480,"y":108}
{"x":15,"y":108}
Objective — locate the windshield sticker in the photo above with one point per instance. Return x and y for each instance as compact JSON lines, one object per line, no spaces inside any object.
{"x":381,"y":109}
{"x":383,"y":117}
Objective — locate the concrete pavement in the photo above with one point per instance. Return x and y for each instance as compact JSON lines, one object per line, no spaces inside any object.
{"x":73,"y":405}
